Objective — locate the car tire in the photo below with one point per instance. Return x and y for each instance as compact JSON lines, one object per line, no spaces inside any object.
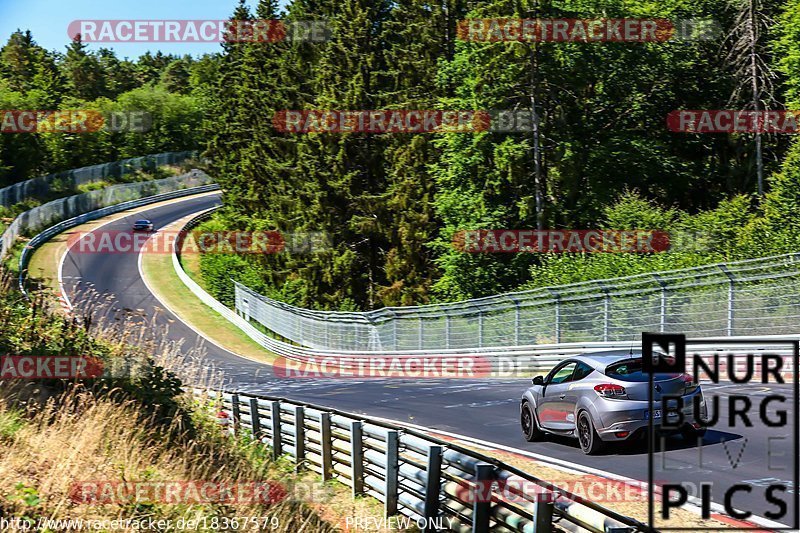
{"x":530,"y":428}
{"x":588,"y":438}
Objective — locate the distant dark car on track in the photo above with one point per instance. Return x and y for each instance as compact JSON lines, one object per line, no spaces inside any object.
{"x":143,"y":225}
{"x":603,"y":397}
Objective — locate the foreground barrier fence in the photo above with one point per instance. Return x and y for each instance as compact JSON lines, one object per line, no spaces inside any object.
{"x":69,"y":180}
{"x":753,"y":297}
{"x":434,"y":482}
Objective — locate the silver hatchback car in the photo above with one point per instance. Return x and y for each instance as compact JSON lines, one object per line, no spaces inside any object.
{"x":603,"y":397}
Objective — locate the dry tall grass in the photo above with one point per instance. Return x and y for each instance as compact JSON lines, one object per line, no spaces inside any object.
{"x":135,"y":425}
{"x":81,"y":437}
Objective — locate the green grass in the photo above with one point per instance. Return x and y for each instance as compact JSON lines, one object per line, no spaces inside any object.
{"x":10,"y":423}
{"x":169,"y":289}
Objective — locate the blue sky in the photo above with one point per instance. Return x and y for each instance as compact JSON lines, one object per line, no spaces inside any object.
{"x":48,"y":20}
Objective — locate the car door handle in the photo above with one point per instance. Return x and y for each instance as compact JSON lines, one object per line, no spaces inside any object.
{"x":563,"y":396}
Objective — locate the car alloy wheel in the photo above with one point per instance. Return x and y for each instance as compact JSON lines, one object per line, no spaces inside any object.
{"x":587,"y":437}
{"x":530,"y":429}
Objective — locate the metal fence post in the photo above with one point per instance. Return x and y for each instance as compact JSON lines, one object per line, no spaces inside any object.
{"x":357,"y":456}
{"x":481,"y":510}
{"x":421,"y":333}
{"x":327,"y":444}
{"x":480,"y":329}
{"x":237,"y":413}
{"x":433,"y":488}
{"x":663,"y":305}
{"x":731,"y":298}
{"x":606,"y":310}
{"x":447,"y":331}
{"x":392,"y":470}
{"x":255,"y":419}
{"x":557,"y":298}
{"x":299,"y":436}
{"x":394,"y":320}
{"x":246,"y":310}
{"x":277,"y":445}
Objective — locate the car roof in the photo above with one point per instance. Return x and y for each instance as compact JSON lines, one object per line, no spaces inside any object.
{"x":143,"y":220}
{"x":601,"y":360}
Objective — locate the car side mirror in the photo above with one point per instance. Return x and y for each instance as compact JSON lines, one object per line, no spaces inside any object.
{"x":538,"y":380}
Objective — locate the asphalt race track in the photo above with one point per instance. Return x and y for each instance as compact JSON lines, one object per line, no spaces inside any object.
{"x":483,"y":409}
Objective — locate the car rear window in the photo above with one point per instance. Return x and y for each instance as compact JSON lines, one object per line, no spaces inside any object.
{"x":631,"y":370}
{"x":142,"y":222}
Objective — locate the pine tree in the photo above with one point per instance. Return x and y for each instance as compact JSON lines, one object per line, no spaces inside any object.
{"x":83,"y":71}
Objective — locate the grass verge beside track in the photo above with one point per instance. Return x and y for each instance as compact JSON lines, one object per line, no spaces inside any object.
{"x":171,"y":291}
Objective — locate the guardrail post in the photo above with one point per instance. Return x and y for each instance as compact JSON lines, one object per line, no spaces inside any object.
{"x":421,"y":333}
{"x":299,"y":436}
{"x":275,"y":413}
{"x":433,"y":488}
{"x":357,"y":456}
{"x":517,"y":323}
{"x":255,"y":419}
{"x":447,"y":331}
{"x":392,"y":470}
{"x":237,"y":413}
{"x":542,"y":515}
{"x":481,"y":510}
{"x":327,"y":445}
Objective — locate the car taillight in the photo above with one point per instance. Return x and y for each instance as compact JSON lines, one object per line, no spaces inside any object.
{"x":689,"y":383}
{"x":610,"y":390}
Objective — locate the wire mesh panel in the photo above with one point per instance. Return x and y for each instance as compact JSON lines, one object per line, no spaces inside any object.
{"x":68,"y":180}
{"x":34,"y":220}
{"x":757,"y":296}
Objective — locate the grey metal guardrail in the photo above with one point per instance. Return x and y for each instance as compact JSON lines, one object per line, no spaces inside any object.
{"x":414,"y":474}
{"x":753,"y":297}
{"x":194,"y":182}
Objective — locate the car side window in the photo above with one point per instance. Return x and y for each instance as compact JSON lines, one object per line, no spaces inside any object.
{"x":581,"y":371}
{"x":562,"y":375}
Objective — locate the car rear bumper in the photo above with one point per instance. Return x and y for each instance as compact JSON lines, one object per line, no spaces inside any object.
{"x":621,"y":419}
